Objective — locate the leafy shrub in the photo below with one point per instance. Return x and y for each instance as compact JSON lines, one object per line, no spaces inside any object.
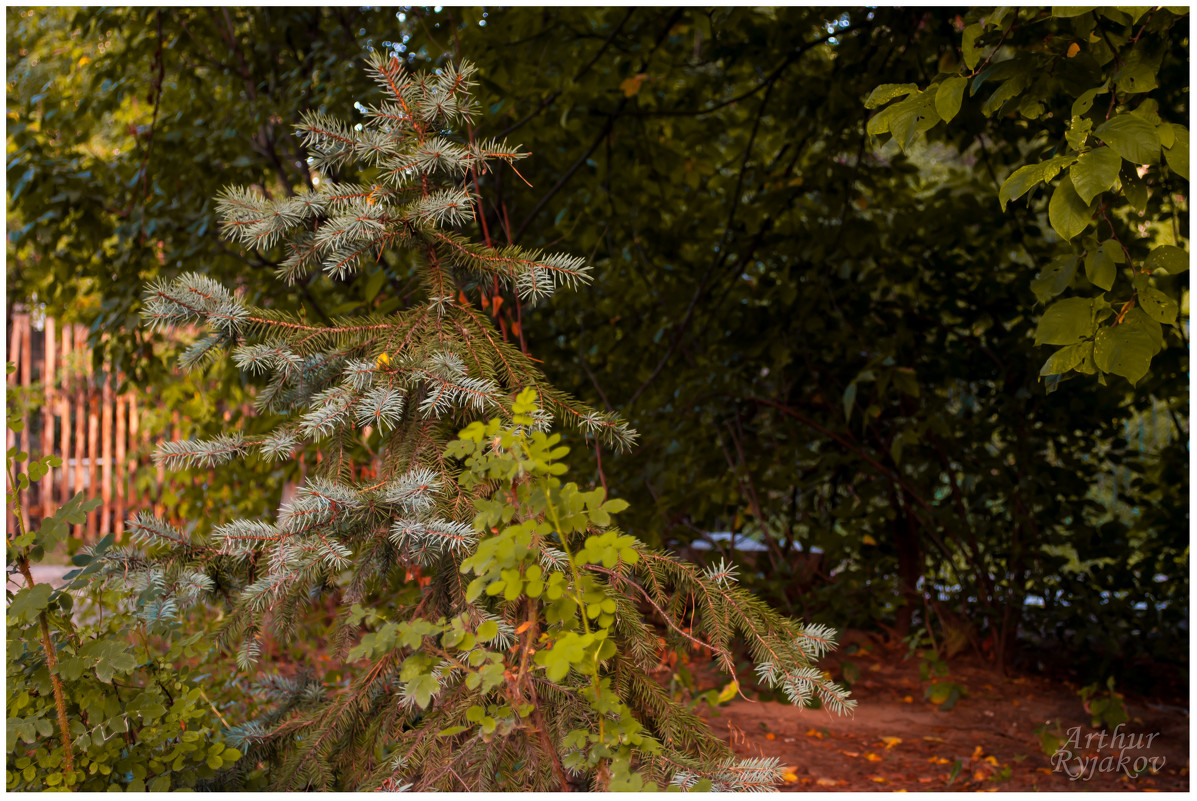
{"x":97,"y":698}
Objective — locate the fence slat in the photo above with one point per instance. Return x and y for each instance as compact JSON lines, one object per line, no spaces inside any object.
{"x":46,"y":491}
{"x":118,"y":516}
{"x":93,"y":451}
{"x":64,"y":412}
{"x":14,"y":356}
{"x":106,"y":404}
{"x":26,"y":372}
{"x":135,"y":460}
{"x":79,"y":397}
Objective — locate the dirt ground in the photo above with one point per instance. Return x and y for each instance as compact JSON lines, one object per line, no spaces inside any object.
{"x":898,"y":740}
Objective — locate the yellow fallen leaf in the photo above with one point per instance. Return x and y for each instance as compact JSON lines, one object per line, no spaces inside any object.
{"x":866,"y":539}
{"x":788,"y":775}
{"x":939,"y":761}
{"x":880,"y":779}
{"x":979,"y":776}
{"x":992,"y":760}
{"x":826,"y":782}
{"x":1073,"y":49}
{"x":908,"y":699}
{"x":770,"y":736}
{"x":872,"y":757}
{"x":84,"y":60}
{"x":931,"y":739}
{"x":815,"y":733}
{"x":728,"y":692}
{"x":977,"y":752}
{"x":890,"y":742}
{"x":383,"y":358}
{"x":632,"y":85}
{"x":527,"y":624}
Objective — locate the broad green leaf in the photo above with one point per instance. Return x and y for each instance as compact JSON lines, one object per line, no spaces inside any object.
{"x":1114,"y":251}
{"x":968,"y":45}
{"x":1026,"y":178}
{"x":1054,"y":278}
{"x":1133,"y":188}
{"x":27,"y":603}
{"x":1095,"y":172}
{"x":879,"y":123}
{"x":1158,"y":305}
{"x":1065,"y":359}
{"x":1065,"y":322}
{"x":1119,"y":351}
{"x":1177,"y":155}
{"x":1138,"y":73}
{"x":1068,"y":214}
{"x":1078,"y":132}
{"x":1136,"y":12}
{"x":74,"y":512}
{"x":887,"y":92}
{"x":949,"y":96}
{"x":1084,"y":101}
{"x":913,"y":116}
{"x":1134,"y":138}
{"x":1167,"y":257}
{"x":1004,"y":93}
{"x":1167,"y":134}
{"x":1100,"y":268}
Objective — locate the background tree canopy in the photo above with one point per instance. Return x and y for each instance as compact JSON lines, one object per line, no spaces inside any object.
{"x":815,"y":310}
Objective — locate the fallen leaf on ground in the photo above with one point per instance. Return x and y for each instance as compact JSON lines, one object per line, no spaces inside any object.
{"x":880,"y":779}
{"x":826,"y":782}
{"x":872,"y":757}
{"x":890,"y":742}
{"x":908,"y":700}
{"x":788,"y":775}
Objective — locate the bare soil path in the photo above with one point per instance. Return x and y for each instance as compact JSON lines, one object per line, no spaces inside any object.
{"x":897,"y":740}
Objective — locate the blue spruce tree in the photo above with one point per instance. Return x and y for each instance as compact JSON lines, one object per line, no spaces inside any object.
{"x":523,"y":664}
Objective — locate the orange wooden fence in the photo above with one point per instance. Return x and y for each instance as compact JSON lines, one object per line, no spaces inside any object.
{"x":81,"y":419}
